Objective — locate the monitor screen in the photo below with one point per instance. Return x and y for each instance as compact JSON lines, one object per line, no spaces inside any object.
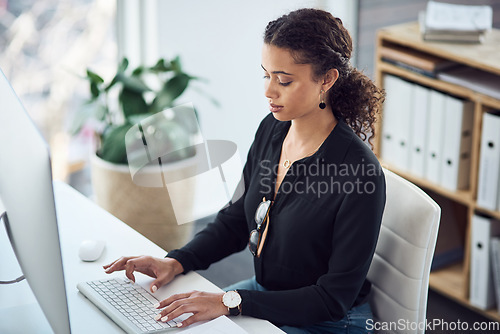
{"x":27,"y":198}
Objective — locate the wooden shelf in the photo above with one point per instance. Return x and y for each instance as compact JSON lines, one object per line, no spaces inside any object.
{"x":491,"y":213}
{"x":483,"y":56}
{"x":461,"y":196}
{"x":448,"y":281}
{"x":443,"y":86}
{"x":492,"y":314}
{"x":451,"y":281}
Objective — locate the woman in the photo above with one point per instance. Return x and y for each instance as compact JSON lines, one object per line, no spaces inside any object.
{"x":314,"y":194}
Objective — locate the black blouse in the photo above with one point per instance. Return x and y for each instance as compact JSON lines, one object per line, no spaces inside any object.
{"x":323,"y":228}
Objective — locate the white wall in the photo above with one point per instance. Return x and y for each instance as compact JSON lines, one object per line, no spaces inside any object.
{"x":221,"y":40}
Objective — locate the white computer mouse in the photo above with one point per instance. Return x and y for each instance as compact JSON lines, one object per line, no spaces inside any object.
{"x":91,"y":250}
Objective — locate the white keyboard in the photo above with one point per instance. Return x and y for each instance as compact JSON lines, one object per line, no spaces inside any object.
{"x":129,"y":305}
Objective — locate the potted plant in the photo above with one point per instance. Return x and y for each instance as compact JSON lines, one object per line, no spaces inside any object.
{"x":114,"y":108}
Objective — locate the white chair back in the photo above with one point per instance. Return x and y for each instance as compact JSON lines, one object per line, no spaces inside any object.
{"x":401,"y":265}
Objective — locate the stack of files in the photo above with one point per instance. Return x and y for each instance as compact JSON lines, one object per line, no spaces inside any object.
{"x":449,"y":141}
{"x":415,"y":61}
{"x":482,"y":291}
{"x":455,"y":23}
{"x":427,"y":133}
{"x":474,"y":79}
{"x":488,"y":193}
{"x":396,"y":122}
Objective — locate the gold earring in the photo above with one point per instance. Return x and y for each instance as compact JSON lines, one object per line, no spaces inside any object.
{"x":322,"y":104}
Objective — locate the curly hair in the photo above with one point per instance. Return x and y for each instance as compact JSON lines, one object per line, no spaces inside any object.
{"x":318,"y":38}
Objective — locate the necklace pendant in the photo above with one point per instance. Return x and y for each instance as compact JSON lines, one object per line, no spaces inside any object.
{"x":287,"y":163}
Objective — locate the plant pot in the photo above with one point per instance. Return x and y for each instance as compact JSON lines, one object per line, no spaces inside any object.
{"x":148,"y":210}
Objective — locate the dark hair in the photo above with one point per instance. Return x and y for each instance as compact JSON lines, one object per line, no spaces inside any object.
{"x":318,"y":38}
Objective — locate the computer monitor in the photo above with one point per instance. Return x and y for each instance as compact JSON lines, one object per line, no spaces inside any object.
{"x":27,"y":199}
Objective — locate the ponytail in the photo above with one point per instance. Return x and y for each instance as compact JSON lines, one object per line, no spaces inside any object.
{"x":356,"y":100}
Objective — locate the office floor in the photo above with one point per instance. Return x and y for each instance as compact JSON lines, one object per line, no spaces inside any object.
{"x":240,"y":266}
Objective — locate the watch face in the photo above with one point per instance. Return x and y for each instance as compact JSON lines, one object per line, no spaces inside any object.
{"x":231,"y":299}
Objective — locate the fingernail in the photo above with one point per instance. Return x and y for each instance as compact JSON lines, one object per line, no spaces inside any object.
{"x":165,"y":318}
{"x":157,"y":305}
{"x":154,"y":288}
{"x":157,"y":317}
{"x":179,"y":324}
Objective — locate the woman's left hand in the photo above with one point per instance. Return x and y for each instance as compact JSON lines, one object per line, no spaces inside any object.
{"x":203,"y":305}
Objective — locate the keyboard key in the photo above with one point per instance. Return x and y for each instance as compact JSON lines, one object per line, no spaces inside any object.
{"x":134,"y":302}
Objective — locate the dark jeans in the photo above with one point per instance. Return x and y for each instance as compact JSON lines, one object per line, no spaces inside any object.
{"x":353,"y":323}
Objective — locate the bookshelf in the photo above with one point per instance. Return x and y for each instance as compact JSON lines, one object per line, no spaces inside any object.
{"x":451,"y":281}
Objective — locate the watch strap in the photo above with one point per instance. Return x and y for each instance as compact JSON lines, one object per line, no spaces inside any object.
{"x":235,"y":310}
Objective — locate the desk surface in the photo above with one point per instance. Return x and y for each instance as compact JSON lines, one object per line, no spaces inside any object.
{"x":80,"y":219}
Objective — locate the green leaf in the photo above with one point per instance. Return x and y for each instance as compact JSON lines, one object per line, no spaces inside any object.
{"x":175,"y":141}
{"x":132,"y":83}
{"x":175,"y":65}
{"x":172,"y":89}
{"x":201,"y":79}
{"x":138,"y":71}
{"x":187,"y":118}
{"x":94,"y":90}
{"x":111,"y":84}
{"x":122,"y":66}
{"x":119,"y":72}
{"x":100,"y":112}
{"x":94,"y":78}
{"x":132,"y":102}
{"x":113,"y":147}
{"x":167,"y":139}
{"x":177,"y":85}
{"x":160,"y":67}
{"x":94,"y":82}
{"x":138,"y":118}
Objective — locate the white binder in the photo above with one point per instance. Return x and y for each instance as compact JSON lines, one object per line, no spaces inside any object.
{"x":419,"y":118}
{"x":489,"y":163}
{"x":398,"y":108}
{"x":457,"y":143}
{"x":482,"y":293}
{"x":435,"y":127}
{"x":495,"y":264}
{"x":388,"y":149}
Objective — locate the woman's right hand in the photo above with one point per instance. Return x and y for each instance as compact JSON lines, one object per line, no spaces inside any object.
{"x":164,"y":270}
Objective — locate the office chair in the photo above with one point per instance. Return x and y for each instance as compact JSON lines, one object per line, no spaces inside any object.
{"x":401,"y":265}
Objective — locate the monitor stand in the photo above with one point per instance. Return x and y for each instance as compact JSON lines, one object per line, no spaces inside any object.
{"x":3,"y":217}
{"x":25,"y":308}
{"x":29,"y":315}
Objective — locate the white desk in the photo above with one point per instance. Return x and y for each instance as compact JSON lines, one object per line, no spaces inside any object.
{"x":81,"y":219}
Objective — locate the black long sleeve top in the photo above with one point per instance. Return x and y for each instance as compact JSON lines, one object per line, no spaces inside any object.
{"x":323,"y":228}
